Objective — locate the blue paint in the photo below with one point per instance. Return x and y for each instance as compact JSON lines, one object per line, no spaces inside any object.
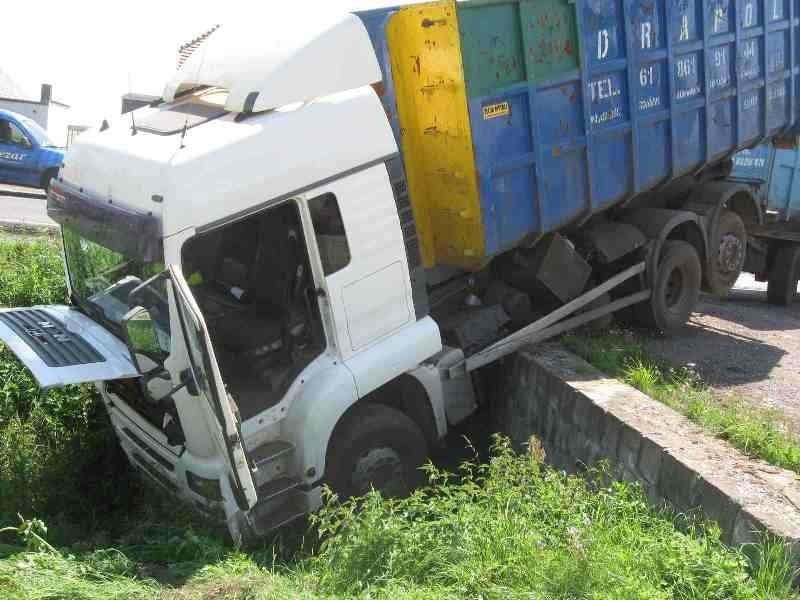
{"x":25,"y":158}
{"x":774,"y":175}
{"x":664,"y":88}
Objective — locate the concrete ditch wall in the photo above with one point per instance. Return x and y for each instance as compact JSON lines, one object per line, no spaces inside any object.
{"x":581,"y":416}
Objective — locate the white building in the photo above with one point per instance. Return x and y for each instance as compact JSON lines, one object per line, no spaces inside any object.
{"x":52,"y":115}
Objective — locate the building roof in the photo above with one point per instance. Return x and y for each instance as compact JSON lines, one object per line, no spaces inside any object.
{"x":186,"y":50}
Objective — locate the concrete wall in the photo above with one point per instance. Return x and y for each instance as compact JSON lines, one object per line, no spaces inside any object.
{"x":582,"y":416}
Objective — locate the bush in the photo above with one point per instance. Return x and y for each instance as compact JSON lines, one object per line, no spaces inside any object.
{"x":512,"y":528}
{"x":58,"y":455}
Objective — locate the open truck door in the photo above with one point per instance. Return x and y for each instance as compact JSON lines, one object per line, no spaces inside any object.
{"x":223,"y":419}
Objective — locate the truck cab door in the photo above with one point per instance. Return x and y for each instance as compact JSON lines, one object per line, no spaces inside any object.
{"x":223,"y":420}
{"x":17,"y":155}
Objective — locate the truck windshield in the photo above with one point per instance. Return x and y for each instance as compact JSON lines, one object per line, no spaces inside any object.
{"x":36,"y":132}
{"x":103,"y":279}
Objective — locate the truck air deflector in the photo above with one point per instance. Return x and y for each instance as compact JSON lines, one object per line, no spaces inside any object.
{"x":62,"y":346}
{"x":281,"y":61}
{"x":125,"y":230}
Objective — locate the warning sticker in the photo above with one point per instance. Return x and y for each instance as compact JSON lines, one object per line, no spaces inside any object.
{"x":500,"y":109}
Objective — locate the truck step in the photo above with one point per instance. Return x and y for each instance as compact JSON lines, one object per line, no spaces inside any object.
{"x":270,"y":515}
{"x":276,"y":487}
{"x":271,"y":451}
{"x":271,"y":462}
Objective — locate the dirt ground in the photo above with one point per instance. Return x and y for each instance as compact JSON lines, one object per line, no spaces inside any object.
{"x":741,"y":345}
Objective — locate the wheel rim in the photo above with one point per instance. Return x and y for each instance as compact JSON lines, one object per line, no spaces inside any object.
{"x":730,"y":257}
{"x":674,"y":288}
{"x":381,"y":468}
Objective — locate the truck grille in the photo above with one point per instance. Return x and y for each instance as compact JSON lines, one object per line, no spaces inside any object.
{"x":49,"y":339}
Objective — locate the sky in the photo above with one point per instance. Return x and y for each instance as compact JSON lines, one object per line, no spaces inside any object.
{"x":94,"y":51}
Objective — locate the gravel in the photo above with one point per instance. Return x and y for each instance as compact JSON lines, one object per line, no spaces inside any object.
{"x":742,"y":346}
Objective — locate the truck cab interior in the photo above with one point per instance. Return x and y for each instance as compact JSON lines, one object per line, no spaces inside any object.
{"x":253,"y":284}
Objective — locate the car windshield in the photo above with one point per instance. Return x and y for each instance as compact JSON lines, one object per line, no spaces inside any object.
{"x":103,"y":279}
{"x":35,"y":130}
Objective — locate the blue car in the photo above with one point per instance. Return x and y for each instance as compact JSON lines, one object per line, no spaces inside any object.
{"x":27,"y":156}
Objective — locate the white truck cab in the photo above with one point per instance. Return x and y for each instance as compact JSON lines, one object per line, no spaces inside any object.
{"x":240,"y":278}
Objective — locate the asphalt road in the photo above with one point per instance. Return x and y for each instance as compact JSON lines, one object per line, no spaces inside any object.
{"x":23,"y":206}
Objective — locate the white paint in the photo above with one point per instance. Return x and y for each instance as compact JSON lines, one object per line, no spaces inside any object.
{"x":602,"y":44}
{"x":117,"y":364}
{"x":226,"y":167}
{"x":684,"y":35}
{"x":647,"y":35}
{"x":720,"y":18}
{"x":376,"y":305}
{"x":281,"y":61}
{"x":749,"y":18}
{"x":225,"y":434}
{"x":368,"y":300}
{"x":646,"y":76}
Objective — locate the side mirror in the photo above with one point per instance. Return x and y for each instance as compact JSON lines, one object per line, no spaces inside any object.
{"x":140,"y":329}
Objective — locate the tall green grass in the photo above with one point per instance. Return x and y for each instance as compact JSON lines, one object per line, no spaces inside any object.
{"x":508,"y":528}
{"x":754,"y":431}
{"x":58,"y":454}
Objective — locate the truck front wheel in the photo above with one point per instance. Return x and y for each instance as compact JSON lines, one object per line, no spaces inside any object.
{"x":676,"y":288}
{"x":727,"y":253}
{"x":783,"y":275}
{"x":378,"y":447}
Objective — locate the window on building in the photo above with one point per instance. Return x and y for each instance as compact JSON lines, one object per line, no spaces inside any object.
{"x":329,"y":231}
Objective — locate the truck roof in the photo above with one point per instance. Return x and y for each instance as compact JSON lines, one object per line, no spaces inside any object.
{"x":225,"y":167}
{"x":267,"y":65}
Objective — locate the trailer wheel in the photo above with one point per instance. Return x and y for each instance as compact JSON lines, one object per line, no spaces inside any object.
{"x":727,"y":252}
{"x":376,"y":446}
{"x":676,"y":289}
{"x":783,"y":276}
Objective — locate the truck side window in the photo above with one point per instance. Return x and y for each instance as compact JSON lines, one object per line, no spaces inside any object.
{"x":329,"y":231}
{"x":11,"y":134}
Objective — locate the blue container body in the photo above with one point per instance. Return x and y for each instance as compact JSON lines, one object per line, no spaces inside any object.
{"x":655,"y":89}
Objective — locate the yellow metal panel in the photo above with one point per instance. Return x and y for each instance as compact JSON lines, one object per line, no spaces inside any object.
{"x":425,"y":49}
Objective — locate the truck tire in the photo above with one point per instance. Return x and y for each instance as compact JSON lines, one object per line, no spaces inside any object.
{"x":727,"y":252}
{"x":676,"y":288}
{"x":783,"y":275}
{"x":375,"y":446}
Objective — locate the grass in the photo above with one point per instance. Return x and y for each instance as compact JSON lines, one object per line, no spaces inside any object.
{"x":754,"y":431}
{"x":507,"y":528}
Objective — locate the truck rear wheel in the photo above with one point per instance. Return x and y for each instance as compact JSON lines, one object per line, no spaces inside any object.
{"x":727,"y":252}
{"x":676,"y":288}
{"x":376,"y":446}
{"x":783,"y":276}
